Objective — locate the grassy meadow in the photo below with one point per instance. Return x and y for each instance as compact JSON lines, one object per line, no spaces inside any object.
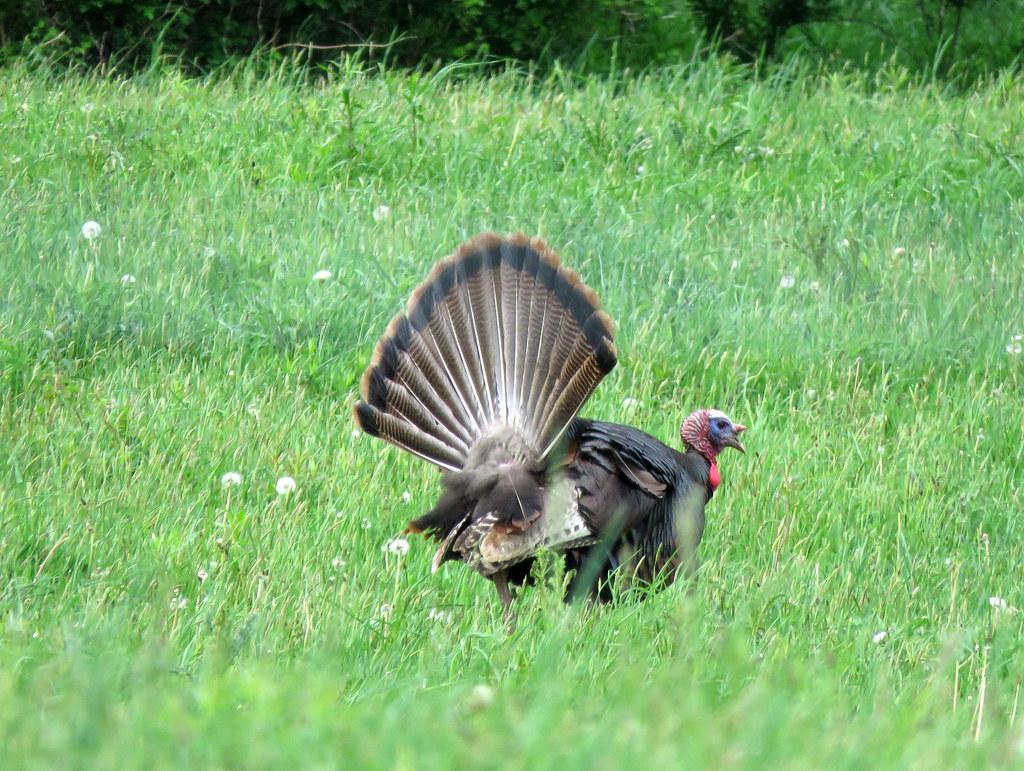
{"x":835,"y":261}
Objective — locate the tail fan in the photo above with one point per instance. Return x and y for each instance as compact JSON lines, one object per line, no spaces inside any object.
{"x":498,"y":337}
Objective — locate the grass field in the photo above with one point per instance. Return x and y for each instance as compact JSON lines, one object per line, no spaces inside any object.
{"x":836,"y":263}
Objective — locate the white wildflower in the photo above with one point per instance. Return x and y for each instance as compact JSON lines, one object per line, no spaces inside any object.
{"x":356,"y":433}
{"x":481,"y":697}
{"x":406,"y":496}
{"x":385,"y":610}
{"x":88,"y":107}
{"x":209,"y":252}
{"x":322,"y":275}
{"x":899,"y":251}
{"x":998,"y":603}
{"x":735,"y":265}
{"x":815,"y":286}
{"x":398,"y":546}
{"x":1014,"y":348}
{"x":178,"y":601}
{"x":366,"y":524}
{"x":381,"y":212}
{"x":285,"y":485}
{"x":230,"y":479}
{"x":337,"y":563}
{"x":629,"y":403}
{"x":879,"y":637}
{"x":811,"y":393}
{"x":787,"y":282}
{"x":440,"y":616}
{"x":91,"y":230}
{"x":127,"y":279}
{"x":640,"y":171}
{"x":845,"y":243}
{"x":202,"y":574}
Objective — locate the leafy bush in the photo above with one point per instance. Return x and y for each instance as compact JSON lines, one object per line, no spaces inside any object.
{"x":207,"y":32}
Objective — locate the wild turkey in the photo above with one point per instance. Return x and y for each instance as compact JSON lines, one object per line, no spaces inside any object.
{"x":483,"y":376}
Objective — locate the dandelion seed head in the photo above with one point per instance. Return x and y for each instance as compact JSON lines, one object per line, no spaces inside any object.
{"x":398,"y":546}
{"x":285,"y":485}
{"x":337,"y":563}
{"x":1014,"y":348}
{"x":231,"y":479}
{"x":631,"y":403}
{"x":382,"y":212}
{"x":879,"y":637}
{"x":322,"y":275}
{"x":406,"y":496}
{"x":815,"y":286}
{"x":899,"y":251}
{"x":209,"y":252}
{"x":787,"y":282}
{"x":91,"y":230}
{"x":127,"y":279}
{"x":440,"y":616}
{"x":88,"y":107}
{"x":997,"y":602}
{"x":481,"y":697}
{"x":202,"y":574}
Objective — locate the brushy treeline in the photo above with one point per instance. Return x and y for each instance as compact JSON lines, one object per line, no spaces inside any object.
{"x":961,"y":38}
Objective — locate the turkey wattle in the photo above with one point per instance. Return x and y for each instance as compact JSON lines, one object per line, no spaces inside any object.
{"x":483,"y":376}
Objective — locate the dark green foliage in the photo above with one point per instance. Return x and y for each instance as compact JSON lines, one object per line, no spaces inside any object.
{"x":207,"y":32}
{"x":941,"y":38}
{"x":751,"y":29}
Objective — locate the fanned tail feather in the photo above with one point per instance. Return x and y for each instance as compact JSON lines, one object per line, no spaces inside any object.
{"x":498,"y":337}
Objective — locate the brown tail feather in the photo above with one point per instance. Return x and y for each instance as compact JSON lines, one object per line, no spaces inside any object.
{"x":499,"y":336}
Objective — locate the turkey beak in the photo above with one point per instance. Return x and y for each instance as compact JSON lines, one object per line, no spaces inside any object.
{"x":734,"y":441}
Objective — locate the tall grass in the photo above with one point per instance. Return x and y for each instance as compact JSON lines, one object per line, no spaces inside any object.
{"x":835,"y":261}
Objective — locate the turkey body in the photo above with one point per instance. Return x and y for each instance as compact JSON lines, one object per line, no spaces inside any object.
{"x":645,"y":499}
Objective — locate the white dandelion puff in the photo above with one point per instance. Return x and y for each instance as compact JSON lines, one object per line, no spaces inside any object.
{"x":899,"y":251}
{"x":382,"y":212}
{"x":202,"y":574}
{"x":385,"y":610}
{"x":440,"y":616}
{"x":88,"y":107}
{"x":815,"y":286}
{"x":337,"y":563}
{"x":787,"y":282}
{"x":398,"y":546}
{"x":812,"y":394}
{"x":406,"y":496}
{"x":209,"y":252}
{"x":629,"y":403}
{"x":127,"y":279}
{"x":640,"y":171}
{"x":322,"y":275}
{"x":879,"y":637}
{"x":481,"y":696}
{"x":230,"y":479}
{"x":1015,"y":348}
{"x":91,"y":230}
{"x":998,"y":603}
{"x":285,"y":485}
{"x":366,"y":524}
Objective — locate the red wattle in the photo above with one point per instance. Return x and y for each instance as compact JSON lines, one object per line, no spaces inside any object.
{"x":714,"y":477}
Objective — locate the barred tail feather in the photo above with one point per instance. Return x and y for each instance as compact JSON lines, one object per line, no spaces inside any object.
{"x":499,"y":336}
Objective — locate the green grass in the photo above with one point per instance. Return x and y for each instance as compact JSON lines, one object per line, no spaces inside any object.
{"x":882,"y":488}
